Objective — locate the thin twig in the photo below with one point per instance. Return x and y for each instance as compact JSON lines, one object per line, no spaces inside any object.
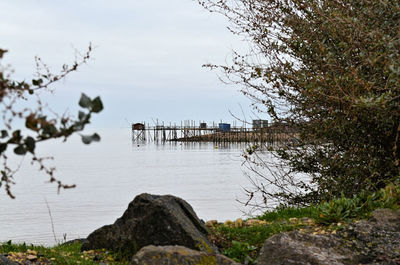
{"x":51,"y":220}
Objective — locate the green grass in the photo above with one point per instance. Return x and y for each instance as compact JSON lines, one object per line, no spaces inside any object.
{"x":64,"y":254}
{"x":243,"y":243}
{"x":254,"y":235}
{"x":289,"y":212}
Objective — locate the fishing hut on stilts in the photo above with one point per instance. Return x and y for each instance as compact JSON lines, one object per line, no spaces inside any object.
{"x":260,"y":132}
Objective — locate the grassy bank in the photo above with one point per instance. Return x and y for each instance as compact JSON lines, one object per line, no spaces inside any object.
{"x":241,"y":239}
{"x":64,"y":254}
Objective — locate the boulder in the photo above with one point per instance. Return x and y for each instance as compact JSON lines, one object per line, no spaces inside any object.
{"x":373,"y":241}
{"x":303,"y":248}
{"x":178,"y":255}
{"x":75,"y":241}
{"x":377,"y":240}
{"x":5,"y":261}
{"x":152,"y":220}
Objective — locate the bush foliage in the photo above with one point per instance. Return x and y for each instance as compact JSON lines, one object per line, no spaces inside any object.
{"x":331,"y":71}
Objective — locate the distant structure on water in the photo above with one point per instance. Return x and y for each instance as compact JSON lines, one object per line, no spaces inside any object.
{"x":259,"y":124}
{"x":188,"y":131}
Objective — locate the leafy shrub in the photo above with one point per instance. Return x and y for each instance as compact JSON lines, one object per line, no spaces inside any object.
{"x":329,"y":71}
{"x":240,"y":252}
{"x":359,"y":206}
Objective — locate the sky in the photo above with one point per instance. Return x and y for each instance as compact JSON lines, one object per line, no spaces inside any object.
{"x":147,"y":59}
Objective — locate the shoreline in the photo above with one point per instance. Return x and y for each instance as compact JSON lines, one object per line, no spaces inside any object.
{"x":245,"y":240}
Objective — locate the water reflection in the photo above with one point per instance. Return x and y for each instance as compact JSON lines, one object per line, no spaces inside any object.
{"x":176,"y":145}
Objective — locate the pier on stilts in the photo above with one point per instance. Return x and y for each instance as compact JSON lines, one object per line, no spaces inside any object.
{"x":190,"y":131}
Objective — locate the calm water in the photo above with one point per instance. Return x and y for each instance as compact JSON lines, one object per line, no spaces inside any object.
{"x":109,"y":175}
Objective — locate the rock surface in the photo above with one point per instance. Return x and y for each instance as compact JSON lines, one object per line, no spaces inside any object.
{"x":152,"y":220}
{"x":74,"y":241}
{"x":373,"y":241}
{"x":5,"y":261}
{"x":298,"y":248}
{"x":174,"y":255}
{"x":377,"y":240}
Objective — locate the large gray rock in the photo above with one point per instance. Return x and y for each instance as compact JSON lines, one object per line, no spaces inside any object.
{"x":377,"y":240}
{"x":304,"y":249}
{"x":178,"y":255}
{"x":5,"y":261}
{"x":374,"y":241}
{"x":152,"y":220}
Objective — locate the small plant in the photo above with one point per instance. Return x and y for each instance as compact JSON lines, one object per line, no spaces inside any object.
{"x":240,"y":252}
{"x":359,"y":206}
{"x":390,"y":196}
{"x":338,"y":210}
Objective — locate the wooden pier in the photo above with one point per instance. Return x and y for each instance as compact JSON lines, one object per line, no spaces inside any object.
{"x":189,"y":131}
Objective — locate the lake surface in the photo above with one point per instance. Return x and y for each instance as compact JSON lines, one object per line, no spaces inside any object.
{"x":109,"y":175}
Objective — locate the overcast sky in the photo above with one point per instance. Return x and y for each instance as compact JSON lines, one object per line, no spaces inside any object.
{"x":147,"y":61}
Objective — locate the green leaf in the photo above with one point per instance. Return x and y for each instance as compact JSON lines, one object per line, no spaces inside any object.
{"x":20,"y":150}
{"x":3,"y":147}
{"x":96,"y":137}
{"x":37,"y":82}
{"x":16,"y":137}
{"x":2,"y":52}
{"x":97,"y":105}
{"x":87,"y":139}
{"x":78,"y":126}
{"x":81,"y":115}
{"x":49,"y":129}
{"x":85,"y":101}
{"x":30,"y":144}
{"x":4,"y":133}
